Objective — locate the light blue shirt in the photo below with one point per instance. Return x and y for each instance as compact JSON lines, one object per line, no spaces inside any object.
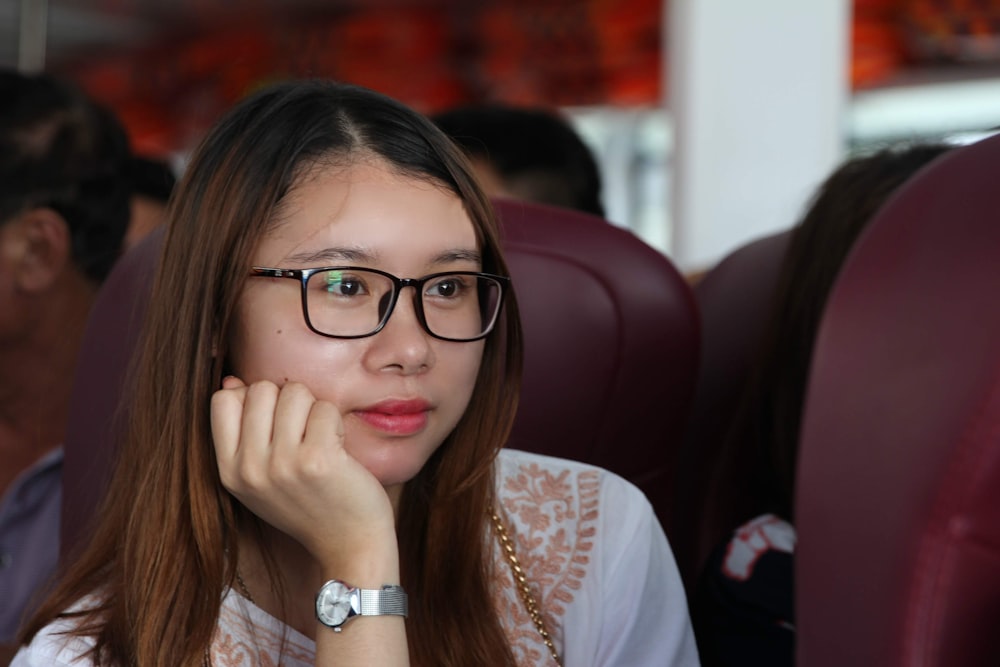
{"x":29,"y":539}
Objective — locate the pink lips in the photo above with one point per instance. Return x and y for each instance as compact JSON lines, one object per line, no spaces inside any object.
{"x":396,"y":417}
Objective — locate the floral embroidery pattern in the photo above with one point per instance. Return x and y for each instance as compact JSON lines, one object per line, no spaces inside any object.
{"x":243,"y":639}
{"x":554,"y":515}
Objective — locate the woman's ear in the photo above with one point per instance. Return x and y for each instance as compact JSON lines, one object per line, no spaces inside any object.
{"x":37,"y":245}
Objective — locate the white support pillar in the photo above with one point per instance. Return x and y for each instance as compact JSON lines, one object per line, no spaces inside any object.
{"x":758,"y":93}
{"x":32,"y":33}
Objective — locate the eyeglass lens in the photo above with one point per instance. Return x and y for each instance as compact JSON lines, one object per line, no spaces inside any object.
{"x":353,"y":302}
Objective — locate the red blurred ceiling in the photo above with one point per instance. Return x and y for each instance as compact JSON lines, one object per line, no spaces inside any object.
{"x":171,"y":66}
{"x":157,"y":61}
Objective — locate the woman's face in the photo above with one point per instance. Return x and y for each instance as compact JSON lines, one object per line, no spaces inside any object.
{"x":400,"y":391}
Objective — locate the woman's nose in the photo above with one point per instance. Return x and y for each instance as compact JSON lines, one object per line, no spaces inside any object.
{"x":403,"y":344}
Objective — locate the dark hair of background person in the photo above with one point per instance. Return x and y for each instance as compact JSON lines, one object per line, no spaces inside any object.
{"x":151,"y":177}
{"x":535,"y":152}
{"x":229,"y":197}
{"x":152,"y":181}
{"x":60,"y":150}
{"x":768,"y":420}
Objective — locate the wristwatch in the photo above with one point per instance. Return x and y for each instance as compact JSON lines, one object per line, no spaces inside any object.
{"x":337,"y":603}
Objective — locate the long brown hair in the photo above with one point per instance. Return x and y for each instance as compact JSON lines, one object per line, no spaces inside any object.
{"x":158,"y":559}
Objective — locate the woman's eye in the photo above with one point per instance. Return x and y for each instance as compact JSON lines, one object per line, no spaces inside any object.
{"x":343,"y":285}
{"x":447,"y":288}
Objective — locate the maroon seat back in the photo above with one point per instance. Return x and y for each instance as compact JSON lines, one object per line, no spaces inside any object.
{"x":898,"y":499}
{"x":611,"y":352}
{"x":94,"y":422}
{"x":734,"y":302}
{"x":611,"y":345}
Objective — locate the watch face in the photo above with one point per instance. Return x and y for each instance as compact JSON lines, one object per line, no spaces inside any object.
{"x":333,"y":604}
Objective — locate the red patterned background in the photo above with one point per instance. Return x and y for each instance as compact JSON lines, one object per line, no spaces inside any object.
{"x":560,"y":53}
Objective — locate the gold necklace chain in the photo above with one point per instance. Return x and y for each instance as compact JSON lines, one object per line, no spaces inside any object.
{"x":243,"y":587}
{"x":521,"y":581}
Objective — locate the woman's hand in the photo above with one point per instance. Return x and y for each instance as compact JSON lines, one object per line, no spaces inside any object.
{"x":281,"y":453}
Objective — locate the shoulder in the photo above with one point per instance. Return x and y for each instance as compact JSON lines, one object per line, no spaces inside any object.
{"x":596,"y":559}
{"x":54,"y":646}
{"x":574,"y":523}
{"x":518,"y":468}
{"x":29,"y":538}
{"x":571,"y":495}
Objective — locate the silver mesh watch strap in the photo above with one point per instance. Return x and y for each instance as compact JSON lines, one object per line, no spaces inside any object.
{"x":389,"y":600}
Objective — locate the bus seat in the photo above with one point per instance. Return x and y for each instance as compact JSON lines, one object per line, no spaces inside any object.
{"x":611,"y":351}
{"x":734,"y":300}
{"x":611,"y":345}
{"x":898,"y":497}
{"x":94,"y":421}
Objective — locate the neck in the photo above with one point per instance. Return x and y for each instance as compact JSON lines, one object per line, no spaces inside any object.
{"x":37,"y":363}
{"x":301,"y":574}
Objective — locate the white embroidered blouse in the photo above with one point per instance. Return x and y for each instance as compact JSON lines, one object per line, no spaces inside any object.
{"x":597,"y":560}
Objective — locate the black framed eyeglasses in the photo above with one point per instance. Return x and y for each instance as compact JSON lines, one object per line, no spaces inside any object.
{"x":354,"y":302}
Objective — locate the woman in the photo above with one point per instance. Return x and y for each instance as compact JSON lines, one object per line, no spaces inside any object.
{"x":356,"y":437}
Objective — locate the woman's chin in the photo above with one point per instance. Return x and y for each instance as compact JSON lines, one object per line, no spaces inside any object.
{"x":392,"y":469}
{"x":393,"y":461}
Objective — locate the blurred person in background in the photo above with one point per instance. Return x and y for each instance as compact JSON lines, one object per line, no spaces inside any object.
{"x":743,"y":605}
{"x":64,"y":207}
{"x":152,"y":182}
{"x":526,"y":153}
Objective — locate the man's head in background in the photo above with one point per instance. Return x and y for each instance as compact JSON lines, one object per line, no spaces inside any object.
{"x":62,"y":161}
{"x":526,"y":153}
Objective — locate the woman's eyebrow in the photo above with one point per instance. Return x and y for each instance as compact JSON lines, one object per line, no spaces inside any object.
{"x":335,"y":255}
{"x":356,"y":255}
{"x":459,"y":255}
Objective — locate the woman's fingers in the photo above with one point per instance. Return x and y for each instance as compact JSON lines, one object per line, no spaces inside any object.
{"x":232,"y":382}
{"x":258,"y":418}
{"x":291,"y":413}
{"x":227,"y":418}
{"x":325,"y":426}
{"x":281,"y":453}
{"x":322,"y":444}
{"x":277,"y":439}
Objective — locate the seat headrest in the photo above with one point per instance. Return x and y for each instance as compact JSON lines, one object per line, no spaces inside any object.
{"x":611,"y":344}
{"x":898,"y":501}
